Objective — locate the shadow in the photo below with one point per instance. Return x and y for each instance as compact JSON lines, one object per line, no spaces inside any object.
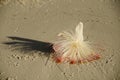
{"x":28,"y":45}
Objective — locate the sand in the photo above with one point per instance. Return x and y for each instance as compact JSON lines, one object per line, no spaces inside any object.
{"x":42,"y":20}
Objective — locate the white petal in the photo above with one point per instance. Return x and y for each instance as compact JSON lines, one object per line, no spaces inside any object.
{"x":79,"y":31}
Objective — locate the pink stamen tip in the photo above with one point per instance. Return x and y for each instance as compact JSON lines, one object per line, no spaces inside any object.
{"x":58,"y":60}
{"x":73,"y":62}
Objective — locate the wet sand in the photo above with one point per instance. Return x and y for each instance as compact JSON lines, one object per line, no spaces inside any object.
{"x":41,"y":20}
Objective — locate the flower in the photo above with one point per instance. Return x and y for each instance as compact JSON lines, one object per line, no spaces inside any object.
{"x":72,"y":48}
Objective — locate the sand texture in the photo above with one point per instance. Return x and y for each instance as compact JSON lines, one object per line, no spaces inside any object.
{"x":27,"y":25}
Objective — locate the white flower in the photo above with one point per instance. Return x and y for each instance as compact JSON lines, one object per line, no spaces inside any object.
{"x":72,"y":48}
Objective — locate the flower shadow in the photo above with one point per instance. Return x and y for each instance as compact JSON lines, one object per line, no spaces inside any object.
{"x":28,"y":45}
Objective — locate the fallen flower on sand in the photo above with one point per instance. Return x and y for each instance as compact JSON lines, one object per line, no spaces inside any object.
{"x":72,"y":48}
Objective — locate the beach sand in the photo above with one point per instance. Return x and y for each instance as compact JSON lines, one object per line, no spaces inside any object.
{"x":42,"y":20}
